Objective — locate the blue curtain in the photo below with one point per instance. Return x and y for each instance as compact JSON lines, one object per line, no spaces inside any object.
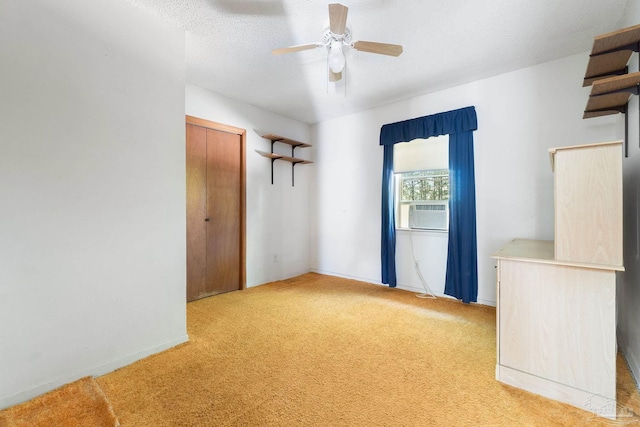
{"x":462,"y":265}
{"x":388,"y":220}
{"x":462,"y":254}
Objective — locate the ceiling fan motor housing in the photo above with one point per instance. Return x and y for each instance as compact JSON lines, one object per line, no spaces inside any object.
{"x":344,"y":38}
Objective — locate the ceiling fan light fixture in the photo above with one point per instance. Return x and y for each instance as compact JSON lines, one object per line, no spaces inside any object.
{"x":336,"y":35}
{"x":336,"y":57}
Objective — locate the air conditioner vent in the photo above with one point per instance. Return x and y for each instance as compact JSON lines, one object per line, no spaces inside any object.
{"x":429,"y":216}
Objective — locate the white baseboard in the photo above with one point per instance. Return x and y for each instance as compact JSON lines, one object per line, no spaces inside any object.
{"x":95,"y":371}
{"x":398,"y":286}
{"x":599,"y":405}
{"x":347,"y":276}
{"x":127,"y":360}
{"x":487,"y":302}
{"x":442,"y":295}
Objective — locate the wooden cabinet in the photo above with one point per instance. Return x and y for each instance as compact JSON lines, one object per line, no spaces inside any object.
{"x":556,"y":305}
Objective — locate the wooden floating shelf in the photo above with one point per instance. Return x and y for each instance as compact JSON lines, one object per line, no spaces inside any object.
{"x":291,"y":159}
{"x":276,"y":156}
{"x":610,"y":95}
{"x":616,"y":39}
{"x":292,"y":142}
{"x":296,"y":160}
{"x":607,"y":74}
{"x":269,"y":155}
{"x":606,"y":65}
{"x":610,"y":53}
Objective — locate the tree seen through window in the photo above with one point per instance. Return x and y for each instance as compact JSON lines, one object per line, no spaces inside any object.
{"x":425,"y":185}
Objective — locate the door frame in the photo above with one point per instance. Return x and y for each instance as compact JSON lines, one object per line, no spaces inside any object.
{"x":242,"y":133}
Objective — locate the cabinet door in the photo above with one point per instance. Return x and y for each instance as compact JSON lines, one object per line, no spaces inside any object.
{"x":558,"y":323}
{"x":588,"y":204}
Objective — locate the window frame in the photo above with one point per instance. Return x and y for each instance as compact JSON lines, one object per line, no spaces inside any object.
{"x":399,"y":202}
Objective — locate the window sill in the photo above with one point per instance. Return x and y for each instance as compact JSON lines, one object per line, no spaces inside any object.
{"x":421,"y":231}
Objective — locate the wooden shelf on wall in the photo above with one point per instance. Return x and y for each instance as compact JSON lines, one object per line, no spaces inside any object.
{"x":606,"y":65}
{"x":276,"y":156}
{"x":292,"y":142}
{"x":607,"y":74}
{"x":289,"y":159}
{"x":610,"y":95}
{"x":610,"y":54}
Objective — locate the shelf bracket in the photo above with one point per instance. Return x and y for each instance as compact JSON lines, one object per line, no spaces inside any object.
{"x":620,"y":72}
{"x":633,"y":90}
{"x":620,"y":109}
{"x":272,"y":161}
{"x":293,"y":165}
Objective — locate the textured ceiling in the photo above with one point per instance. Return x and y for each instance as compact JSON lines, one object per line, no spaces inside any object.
{"x":446,"y":43}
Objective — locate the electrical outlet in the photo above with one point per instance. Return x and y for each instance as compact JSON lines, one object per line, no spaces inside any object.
{"x":275,"y":258}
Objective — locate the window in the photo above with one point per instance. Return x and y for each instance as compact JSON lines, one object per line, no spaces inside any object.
{"x":422,"y":184}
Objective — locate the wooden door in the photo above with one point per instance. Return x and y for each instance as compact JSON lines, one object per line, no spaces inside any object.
{"x":196,"y":211}
{"x":215,"y":208}
{"x":223,"y":211}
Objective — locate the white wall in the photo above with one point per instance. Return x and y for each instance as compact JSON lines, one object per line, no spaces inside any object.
{"x":629,"y":281}
{"x":520,"y":115}
{"x":278,"y":224}
{"x":92,"y":216}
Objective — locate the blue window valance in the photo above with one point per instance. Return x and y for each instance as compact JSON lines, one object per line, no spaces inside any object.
{"x":449,"y":122}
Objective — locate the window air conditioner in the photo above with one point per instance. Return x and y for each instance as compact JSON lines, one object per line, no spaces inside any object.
{"x":431,"y":216}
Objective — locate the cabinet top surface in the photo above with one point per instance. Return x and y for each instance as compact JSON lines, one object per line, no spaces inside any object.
{"x":553,"y":151}
{"x":541,"y":251}
{"x":571,"y":147}
{"x":526,"y":249}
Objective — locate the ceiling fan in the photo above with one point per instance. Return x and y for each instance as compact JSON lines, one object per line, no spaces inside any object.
{"x":337,"y":35}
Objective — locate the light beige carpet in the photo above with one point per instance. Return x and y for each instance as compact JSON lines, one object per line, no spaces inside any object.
{"x":78,"y":404}
{"x":323,"y":351}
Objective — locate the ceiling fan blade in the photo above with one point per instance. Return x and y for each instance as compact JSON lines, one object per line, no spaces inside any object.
{"x":381,"y":48}
{"x":334,"y":77}
{"x":337,"y":18}
{"x":298,"y":48}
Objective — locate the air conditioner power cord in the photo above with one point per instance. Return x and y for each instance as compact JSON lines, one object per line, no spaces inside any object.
{"x":428,"y":293}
